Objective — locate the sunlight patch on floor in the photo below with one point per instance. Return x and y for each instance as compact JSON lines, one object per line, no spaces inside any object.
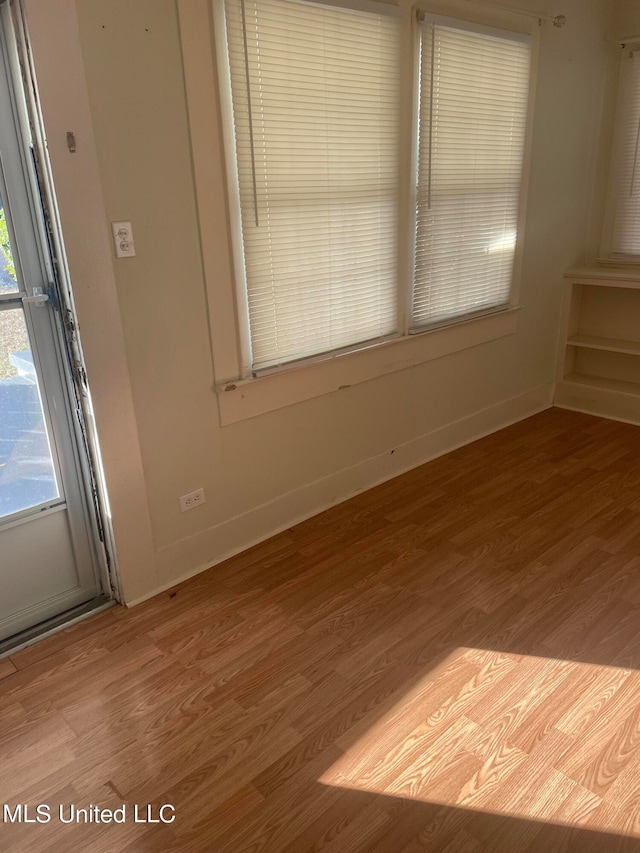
{"x":522,"y":736}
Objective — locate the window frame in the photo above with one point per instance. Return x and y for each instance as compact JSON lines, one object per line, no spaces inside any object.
{"x":240,"y":394}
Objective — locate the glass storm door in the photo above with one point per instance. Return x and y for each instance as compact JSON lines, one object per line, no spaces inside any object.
{"x":47,"y":562}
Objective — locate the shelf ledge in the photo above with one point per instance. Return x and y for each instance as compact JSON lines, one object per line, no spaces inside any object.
{"x":605,"y":277}
{"x":631,"y":389}
{"x":607,"y":344}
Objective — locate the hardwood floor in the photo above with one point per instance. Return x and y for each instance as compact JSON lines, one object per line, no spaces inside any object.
{"x":449,"y":663}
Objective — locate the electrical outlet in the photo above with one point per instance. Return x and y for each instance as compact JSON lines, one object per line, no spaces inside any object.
{"x":192,"y":500}
{"x":123,"y":239}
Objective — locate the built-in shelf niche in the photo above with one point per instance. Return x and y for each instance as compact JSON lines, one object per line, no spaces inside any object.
{"x":599,"y":359}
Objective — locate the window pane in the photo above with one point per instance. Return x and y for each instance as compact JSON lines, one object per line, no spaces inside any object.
{"x":626,"y":229}
{"x":316,"y":94}
{"x":8,"y":283}
{"x":473,"y":111}
{"x":27,"y":475}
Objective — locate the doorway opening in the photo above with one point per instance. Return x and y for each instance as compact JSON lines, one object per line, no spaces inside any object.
{"x":57,"y":554}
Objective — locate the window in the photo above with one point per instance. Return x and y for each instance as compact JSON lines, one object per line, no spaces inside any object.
{"x":474,"y":89}
{"x":624,"y":241}
{"x":316,"y":93}
{"x":374,"y":194}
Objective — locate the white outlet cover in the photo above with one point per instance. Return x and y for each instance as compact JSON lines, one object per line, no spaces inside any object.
{"x":191,"y":500}
{"x":123,"y":239}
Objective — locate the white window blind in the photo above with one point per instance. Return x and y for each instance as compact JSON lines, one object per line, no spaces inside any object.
{"x":626,"y":227}
{"x":315,"y":93}
{"x":474,"y":88}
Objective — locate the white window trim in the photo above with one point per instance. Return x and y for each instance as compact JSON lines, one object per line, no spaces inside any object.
{"x":248,"y":396}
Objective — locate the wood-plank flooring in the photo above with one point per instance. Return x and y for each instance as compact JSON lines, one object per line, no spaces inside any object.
{"x":448,"y":663}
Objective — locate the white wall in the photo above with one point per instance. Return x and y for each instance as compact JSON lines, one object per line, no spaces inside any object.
{"x":626,"y":21}
{"x":263,"y":473}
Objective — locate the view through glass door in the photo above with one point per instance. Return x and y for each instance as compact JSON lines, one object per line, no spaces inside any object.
{"x":48,"y":563}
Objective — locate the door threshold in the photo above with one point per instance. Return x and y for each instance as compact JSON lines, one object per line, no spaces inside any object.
{"x":57,"y":623}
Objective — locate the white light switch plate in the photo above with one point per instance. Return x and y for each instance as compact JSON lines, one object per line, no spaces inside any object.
{"x":123,"y":239}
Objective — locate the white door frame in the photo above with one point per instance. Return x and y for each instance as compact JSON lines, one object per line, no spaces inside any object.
{"x":53,"y":549}
{"x":89,"y":283}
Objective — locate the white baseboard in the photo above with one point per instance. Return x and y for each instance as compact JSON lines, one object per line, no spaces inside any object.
{"x":188,"y":557}
{"x":602,"y":402}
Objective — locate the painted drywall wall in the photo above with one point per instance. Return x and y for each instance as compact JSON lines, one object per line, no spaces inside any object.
{"x":626,"y":21}
{"x":263,"y":473}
